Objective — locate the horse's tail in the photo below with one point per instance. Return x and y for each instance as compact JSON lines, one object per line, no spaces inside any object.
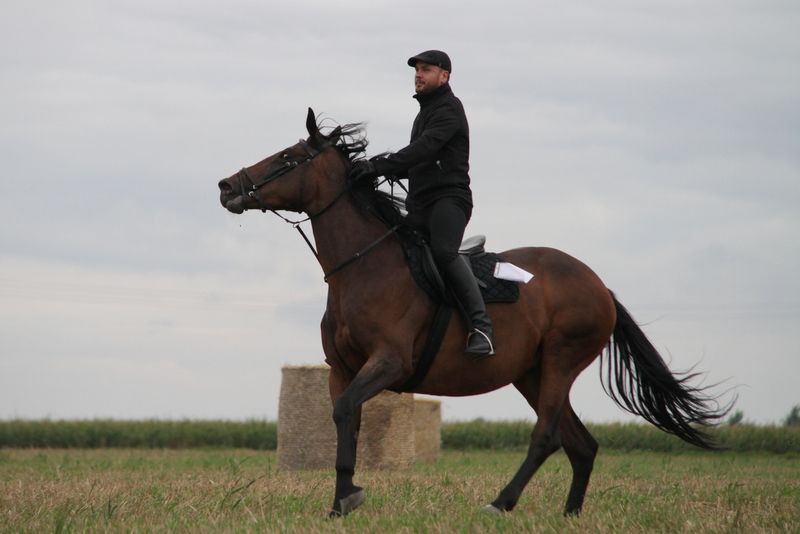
{"x":639,"y":381}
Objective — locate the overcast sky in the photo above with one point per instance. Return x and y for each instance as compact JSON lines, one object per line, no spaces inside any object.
{"x":658,"y":142}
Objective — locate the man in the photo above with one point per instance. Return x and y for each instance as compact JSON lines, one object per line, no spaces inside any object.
{"x":439,"y":201}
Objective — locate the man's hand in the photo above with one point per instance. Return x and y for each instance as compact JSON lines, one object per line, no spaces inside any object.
{"x":363,"y":170}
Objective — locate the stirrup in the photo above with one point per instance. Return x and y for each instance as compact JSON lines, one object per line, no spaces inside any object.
{"x":483,"y":354}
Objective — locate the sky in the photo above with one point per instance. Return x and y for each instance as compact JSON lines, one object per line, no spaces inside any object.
{"x":657,"y":141}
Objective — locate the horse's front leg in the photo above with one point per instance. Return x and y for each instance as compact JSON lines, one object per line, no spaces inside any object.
{"x":376,"y":375}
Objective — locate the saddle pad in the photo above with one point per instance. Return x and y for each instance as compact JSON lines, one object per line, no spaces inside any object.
{"x":493,"y":289}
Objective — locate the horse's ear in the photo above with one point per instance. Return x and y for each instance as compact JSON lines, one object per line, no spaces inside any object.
{"x":311,"y":124}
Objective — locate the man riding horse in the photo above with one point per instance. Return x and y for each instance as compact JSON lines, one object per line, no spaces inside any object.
{"x":552,"y":332}
{"x":439,"y":201}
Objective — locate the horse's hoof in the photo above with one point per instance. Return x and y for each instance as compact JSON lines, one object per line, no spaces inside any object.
{"x":492,"y":510}
{"x":348,"y":504}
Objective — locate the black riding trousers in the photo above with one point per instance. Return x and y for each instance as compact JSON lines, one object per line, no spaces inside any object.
{"x":443,"y":222}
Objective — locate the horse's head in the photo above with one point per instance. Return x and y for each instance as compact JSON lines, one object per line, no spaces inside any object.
{"x":286,"y":180}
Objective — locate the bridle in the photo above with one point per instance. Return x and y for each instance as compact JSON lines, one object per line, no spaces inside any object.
{"x":287,"y":167}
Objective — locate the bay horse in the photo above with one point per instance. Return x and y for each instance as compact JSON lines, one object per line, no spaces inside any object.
{"x":377,"y":321}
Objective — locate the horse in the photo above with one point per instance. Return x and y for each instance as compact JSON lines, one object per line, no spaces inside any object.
{"x":377,"y":320}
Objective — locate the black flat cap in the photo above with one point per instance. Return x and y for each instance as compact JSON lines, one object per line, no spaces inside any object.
{"x":432,"y":57}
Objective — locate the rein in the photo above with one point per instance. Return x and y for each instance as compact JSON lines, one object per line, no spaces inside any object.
{"x":288,"y":167}
{"x":361,"y":253}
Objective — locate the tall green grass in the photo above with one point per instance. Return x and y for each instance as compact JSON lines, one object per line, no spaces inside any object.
{"x":479,"y":434}
{"x":97,"y":433}
{"x":738,"y":438}
{"x":262,"y":435}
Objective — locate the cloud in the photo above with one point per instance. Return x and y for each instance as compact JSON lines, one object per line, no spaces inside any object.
{"x":656,"y":142}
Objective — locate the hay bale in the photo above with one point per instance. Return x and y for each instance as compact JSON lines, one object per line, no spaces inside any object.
{"x":427,"y":429}
{"x":386,"y":440}
{"x":307,"y":434}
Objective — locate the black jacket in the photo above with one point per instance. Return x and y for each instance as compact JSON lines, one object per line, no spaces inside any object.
{"x":436,"y":162}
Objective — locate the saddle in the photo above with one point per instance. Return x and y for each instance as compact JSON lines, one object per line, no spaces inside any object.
{"x":427,"y":276}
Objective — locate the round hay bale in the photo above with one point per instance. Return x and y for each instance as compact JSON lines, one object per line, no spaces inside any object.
{"x":427,"y":429}
{"x":307,"y":434}
{"x":386,"y":439}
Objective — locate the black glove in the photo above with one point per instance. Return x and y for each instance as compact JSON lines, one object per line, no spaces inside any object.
{"x":363,"y":170}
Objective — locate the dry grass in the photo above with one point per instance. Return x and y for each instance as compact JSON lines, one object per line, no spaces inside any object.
{"x":240,"y":490}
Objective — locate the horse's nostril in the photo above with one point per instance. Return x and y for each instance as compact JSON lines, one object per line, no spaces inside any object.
{"x":225,"y":187}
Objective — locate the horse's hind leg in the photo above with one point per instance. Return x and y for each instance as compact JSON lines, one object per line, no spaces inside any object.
{"x":581,"y":449}
{"x":546,"y":392}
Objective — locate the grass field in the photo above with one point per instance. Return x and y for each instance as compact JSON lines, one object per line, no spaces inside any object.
{"x":240,"y":490}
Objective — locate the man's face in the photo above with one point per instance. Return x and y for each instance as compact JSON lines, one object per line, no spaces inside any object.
{"x":428,"y":77}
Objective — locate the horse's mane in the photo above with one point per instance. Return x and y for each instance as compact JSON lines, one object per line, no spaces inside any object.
{"x":351,"y":141}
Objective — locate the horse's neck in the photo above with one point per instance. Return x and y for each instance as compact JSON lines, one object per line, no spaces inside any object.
{"x":342,"y":232}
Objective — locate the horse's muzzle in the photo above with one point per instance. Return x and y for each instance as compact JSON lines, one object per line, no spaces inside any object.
{"x":229,"y":198}
{"x":234,"y":205}
{"x":225,"y":186}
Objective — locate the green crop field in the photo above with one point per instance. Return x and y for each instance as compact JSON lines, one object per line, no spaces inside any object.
{"x":263,"y":435}
{"x":212,"y":490}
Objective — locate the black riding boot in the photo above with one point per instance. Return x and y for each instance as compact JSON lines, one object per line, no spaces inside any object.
{"x":480,"y":342}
